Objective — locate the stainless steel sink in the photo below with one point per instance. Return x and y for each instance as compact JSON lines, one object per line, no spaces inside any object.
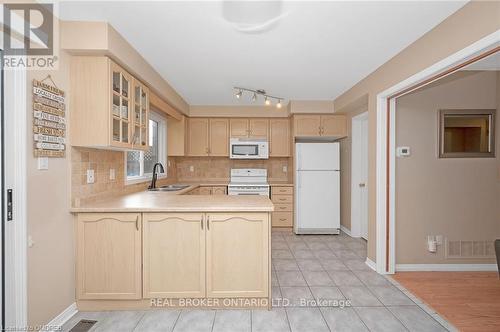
{"x":170,"y":187}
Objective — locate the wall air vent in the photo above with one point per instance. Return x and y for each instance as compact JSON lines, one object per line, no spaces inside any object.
{"x":470,"y":249}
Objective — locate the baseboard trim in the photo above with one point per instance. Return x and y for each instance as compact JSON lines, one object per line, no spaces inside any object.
{"x":345,"y":230}
{"x":56,"y":324}
{"x":446,"y":267}
{"x":371,"y":264}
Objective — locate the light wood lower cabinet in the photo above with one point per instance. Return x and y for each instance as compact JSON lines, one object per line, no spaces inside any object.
{"x":282,"y":197}
{"x":179,"y":255}
{"x":109,"y":256}
{"x":237,"y":255}
{"x":174,"y":255}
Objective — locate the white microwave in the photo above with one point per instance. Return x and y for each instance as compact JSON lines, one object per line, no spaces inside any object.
{"x":248,"y":148}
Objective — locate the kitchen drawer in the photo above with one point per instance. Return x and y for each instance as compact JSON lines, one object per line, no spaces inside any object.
{"x":283,"y":207}
{"x":282,"y":198}
{"x":282,"y":190}
{"x":282,"y":219}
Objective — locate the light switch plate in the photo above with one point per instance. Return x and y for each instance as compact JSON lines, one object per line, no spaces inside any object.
{"x":90,"y":176}
{"x":43,"y":163}
{"x":112,"y":174}
{"x":191,"y":168}
{"x":285,"y":169}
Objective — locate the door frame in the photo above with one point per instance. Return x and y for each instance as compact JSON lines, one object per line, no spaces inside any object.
{"x":356,"y":222}
{"x":385,"y":143}
{"x":15,"y":131}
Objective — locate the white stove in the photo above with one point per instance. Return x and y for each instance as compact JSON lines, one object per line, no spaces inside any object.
{"x":248,"y":181}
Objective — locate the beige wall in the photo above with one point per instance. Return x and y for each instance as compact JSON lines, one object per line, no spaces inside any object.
{"x":239,"y":111}
{"x":469,"y":24}
{"x":51,"y":285}
{"x":345,"y":166}
{"x":456,"y":198}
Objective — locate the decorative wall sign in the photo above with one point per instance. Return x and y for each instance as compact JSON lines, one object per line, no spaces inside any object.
{"x":49,"y":121}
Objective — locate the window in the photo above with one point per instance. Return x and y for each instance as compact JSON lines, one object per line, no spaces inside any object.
{"x":139,"y":164}
{"x":467,"y":133}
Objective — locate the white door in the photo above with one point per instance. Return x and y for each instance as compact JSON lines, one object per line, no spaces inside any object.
{"x":359,"y":176}
{"x":14,"y":178}
{"x":318,"y":202}
{"x":317,"y":156}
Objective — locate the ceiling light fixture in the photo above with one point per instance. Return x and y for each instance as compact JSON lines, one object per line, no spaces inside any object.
{"x":259,"y":92}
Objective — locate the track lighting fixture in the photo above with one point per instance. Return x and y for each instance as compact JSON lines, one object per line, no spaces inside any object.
{"x":255,"y":93}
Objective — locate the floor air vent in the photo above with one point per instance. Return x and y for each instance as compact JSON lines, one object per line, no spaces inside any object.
{"x":83,"y":326}
{"x":469,"y":249}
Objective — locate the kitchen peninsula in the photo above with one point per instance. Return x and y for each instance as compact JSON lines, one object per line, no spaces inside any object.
{"x":135,"y":249}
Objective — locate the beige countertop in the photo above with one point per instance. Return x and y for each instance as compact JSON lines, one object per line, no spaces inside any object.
{"x":147,"y":201}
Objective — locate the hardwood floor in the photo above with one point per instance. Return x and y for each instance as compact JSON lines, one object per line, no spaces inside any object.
{"x":468,"y":300}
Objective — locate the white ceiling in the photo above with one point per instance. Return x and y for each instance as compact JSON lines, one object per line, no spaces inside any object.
{"x":315,"y":51}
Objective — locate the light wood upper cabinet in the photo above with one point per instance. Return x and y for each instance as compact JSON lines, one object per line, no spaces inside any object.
{"x":109,"y":256}
{"x":249,"y":128}
{"x":219,"y":137}
{"x":279,"y":138}
{"x":176,"y":137}
{"x":110,"y":107}
{"x":174,"y":255}
{"x":319,"y":125}
{"x":140,"y":111}
{"x":333,"y":125}
{"x":258,"y":128}
{"x":237,"y":255}
{"x":198,"y":137}
{"x":239,"y":128}
{"x":306,"y":125}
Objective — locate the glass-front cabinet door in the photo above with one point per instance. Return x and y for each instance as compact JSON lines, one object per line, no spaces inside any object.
{"x":121,"y":103}
{"x":141,"y":110}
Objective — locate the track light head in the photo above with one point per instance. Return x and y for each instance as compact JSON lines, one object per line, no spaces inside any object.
{"x":267,"y":101}
{"x":254,"y":97}
{"x":278,"y":105}
{"x":238,"y":94}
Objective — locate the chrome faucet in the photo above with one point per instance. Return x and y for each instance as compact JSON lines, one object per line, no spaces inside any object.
{"x":155,"y":175}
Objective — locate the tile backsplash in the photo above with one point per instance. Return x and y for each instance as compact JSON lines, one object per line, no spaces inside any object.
{"x":218,"y":168}
{"x":205,"y":169}
{"x":101,"y":161}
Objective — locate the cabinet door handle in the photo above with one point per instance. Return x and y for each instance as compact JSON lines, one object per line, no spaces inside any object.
{"x":208,"y":222}
{"x":282,"y":219}
{"x":137,"y":222}
{"x":282,"y":199}
{"x":201,"y":222}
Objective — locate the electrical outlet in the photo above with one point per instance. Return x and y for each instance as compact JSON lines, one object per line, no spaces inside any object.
{"x":112,"y":174}
{"x":285,"y":169}
{"x":191,"y":168}
{"x":90,"y":176}
{"x":439,"y":240}
{"x":43,"y":163}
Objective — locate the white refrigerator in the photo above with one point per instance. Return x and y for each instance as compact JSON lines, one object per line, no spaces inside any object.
{"x":317,"y":199}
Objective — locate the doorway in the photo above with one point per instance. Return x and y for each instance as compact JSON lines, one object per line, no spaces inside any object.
{"x":359,"y":180}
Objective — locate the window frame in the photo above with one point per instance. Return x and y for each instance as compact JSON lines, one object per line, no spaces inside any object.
{"x":162,"y":152}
